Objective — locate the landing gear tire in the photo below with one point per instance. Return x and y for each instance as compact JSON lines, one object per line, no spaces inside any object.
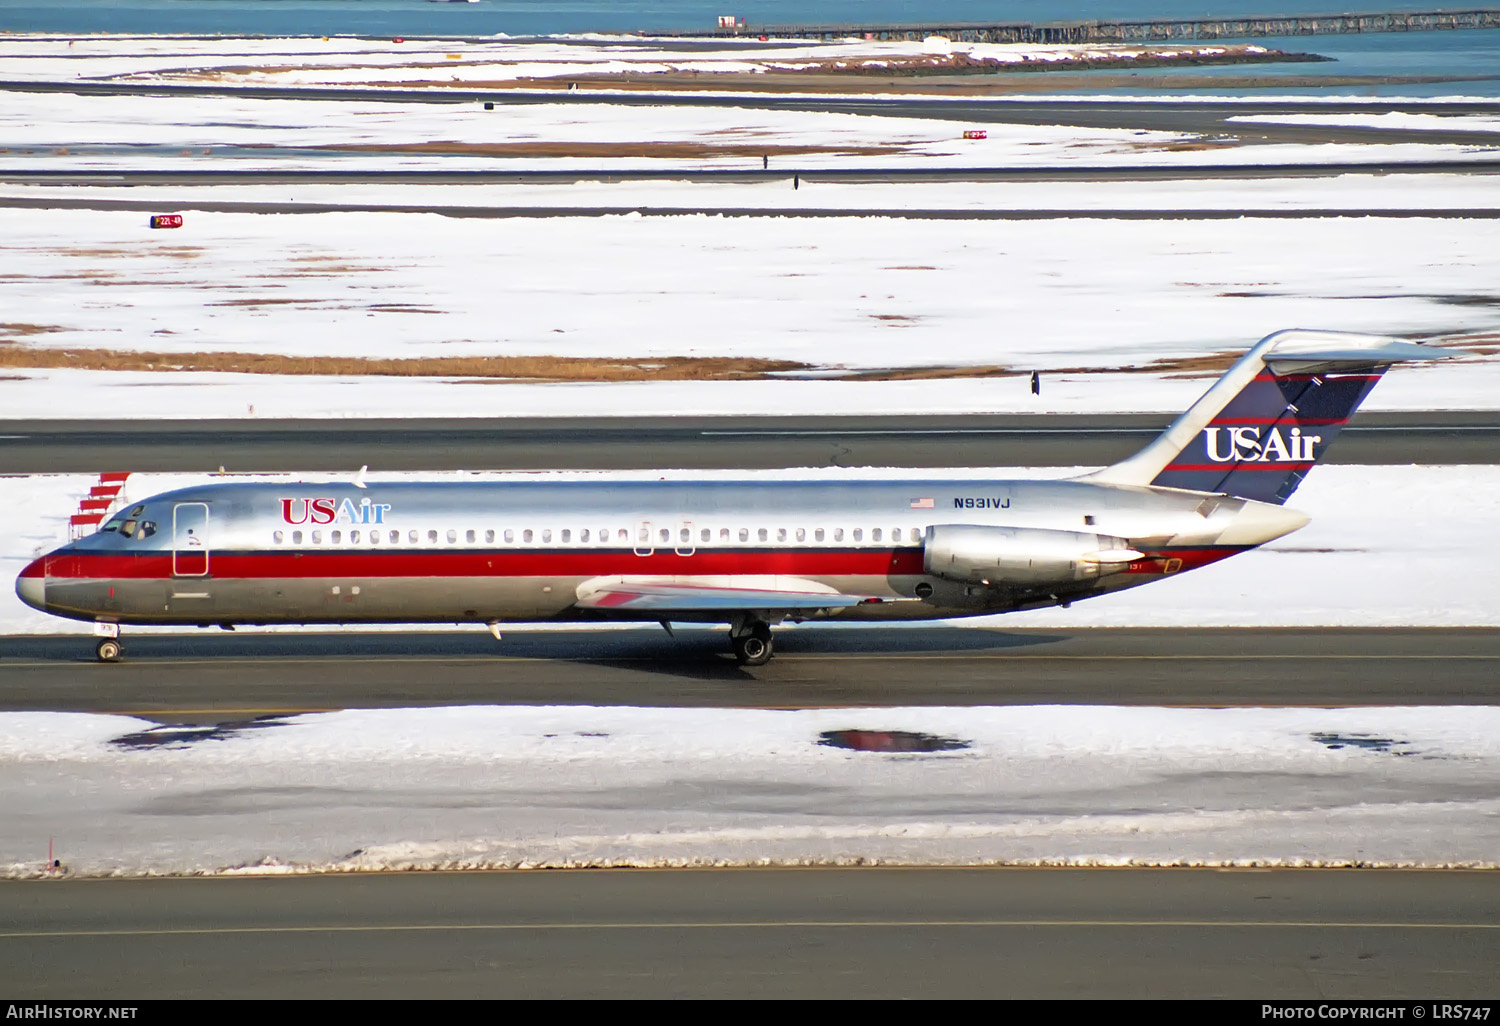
{"x":753,"y":648}
{"x":108,"y":650}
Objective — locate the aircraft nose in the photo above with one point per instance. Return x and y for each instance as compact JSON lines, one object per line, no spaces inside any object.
{"x":31,"y":586}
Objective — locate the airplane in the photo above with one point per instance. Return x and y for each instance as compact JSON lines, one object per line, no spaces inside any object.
{"x":750,"y":554}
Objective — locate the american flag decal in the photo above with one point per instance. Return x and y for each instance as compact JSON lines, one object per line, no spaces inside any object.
{"x":921,"y":504}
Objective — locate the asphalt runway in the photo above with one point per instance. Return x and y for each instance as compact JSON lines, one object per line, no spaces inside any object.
{"x":1306,"y":935}
{"x":214,"y":677}
{"x":621,"y":443}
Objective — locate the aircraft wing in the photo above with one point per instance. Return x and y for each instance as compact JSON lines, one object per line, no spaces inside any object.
{"x":716,"y":594}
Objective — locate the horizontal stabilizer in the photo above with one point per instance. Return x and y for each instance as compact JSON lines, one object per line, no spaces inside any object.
{"x":710,"y":594}
{"x":1290,"y":359}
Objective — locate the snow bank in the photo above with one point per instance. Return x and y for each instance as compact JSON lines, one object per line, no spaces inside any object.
{"x":483,"y":787}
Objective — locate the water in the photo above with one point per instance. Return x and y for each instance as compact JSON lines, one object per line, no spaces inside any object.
{"x":1474,"y":54}
{"x":539,"y":17}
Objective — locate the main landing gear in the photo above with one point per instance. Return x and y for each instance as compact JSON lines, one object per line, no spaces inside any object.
{"x":108,"y":649}
{"x":752,"y":642}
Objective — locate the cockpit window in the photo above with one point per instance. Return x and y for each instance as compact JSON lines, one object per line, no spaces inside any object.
{"x":113,"y":525}
{"x":138,"y":511}
{"x":128,"y":528}
{"x":148,"y":528}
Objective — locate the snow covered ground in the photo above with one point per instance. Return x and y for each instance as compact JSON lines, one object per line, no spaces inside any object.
{"x":1352,"y":193}
{"x":1423,"y":120}
{"x":500,"y":60}
{"x":1088,"y":302}
{"x":1388,"y":546}
{"x":60,"y":131}
{"x":577,"y":786}
{"x":1091,"y":303}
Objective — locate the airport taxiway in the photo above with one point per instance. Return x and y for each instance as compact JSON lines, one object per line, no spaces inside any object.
{"x":625,"y":443}
{"x":213,"y":677}
{"x":811,"y":933}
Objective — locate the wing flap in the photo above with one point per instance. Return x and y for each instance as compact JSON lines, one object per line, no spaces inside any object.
{"x":707,"y":595}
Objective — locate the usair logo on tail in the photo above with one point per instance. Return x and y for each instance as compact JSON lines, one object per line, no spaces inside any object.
{"x":1249,"y":445}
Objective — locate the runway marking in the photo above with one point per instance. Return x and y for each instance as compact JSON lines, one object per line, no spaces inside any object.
{"x":838,"y":924}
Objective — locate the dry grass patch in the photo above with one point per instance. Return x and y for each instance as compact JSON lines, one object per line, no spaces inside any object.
{"x":323,"y":266}
{"x":1210,"y":365}
{"x":932,"y":373}
{"x":556,"y":369}
{"x":515,"y":368}
{"x":15,"y":329}
{"x":96,"y":251}
{"x":1192,"y":146}
{"x":1478,"y":343}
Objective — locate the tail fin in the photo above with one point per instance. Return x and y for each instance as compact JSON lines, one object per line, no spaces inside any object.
{"x":1259,"y":430}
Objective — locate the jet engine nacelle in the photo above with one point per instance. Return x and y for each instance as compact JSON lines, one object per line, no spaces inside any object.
{"x":1021,"y":555}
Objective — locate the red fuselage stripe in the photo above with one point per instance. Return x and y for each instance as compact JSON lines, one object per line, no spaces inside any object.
{"x":396,"y":563}
{"x":481,"y":563}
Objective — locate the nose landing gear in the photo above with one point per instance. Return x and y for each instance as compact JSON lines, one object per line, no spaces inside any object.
{"x":752,"y":643}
